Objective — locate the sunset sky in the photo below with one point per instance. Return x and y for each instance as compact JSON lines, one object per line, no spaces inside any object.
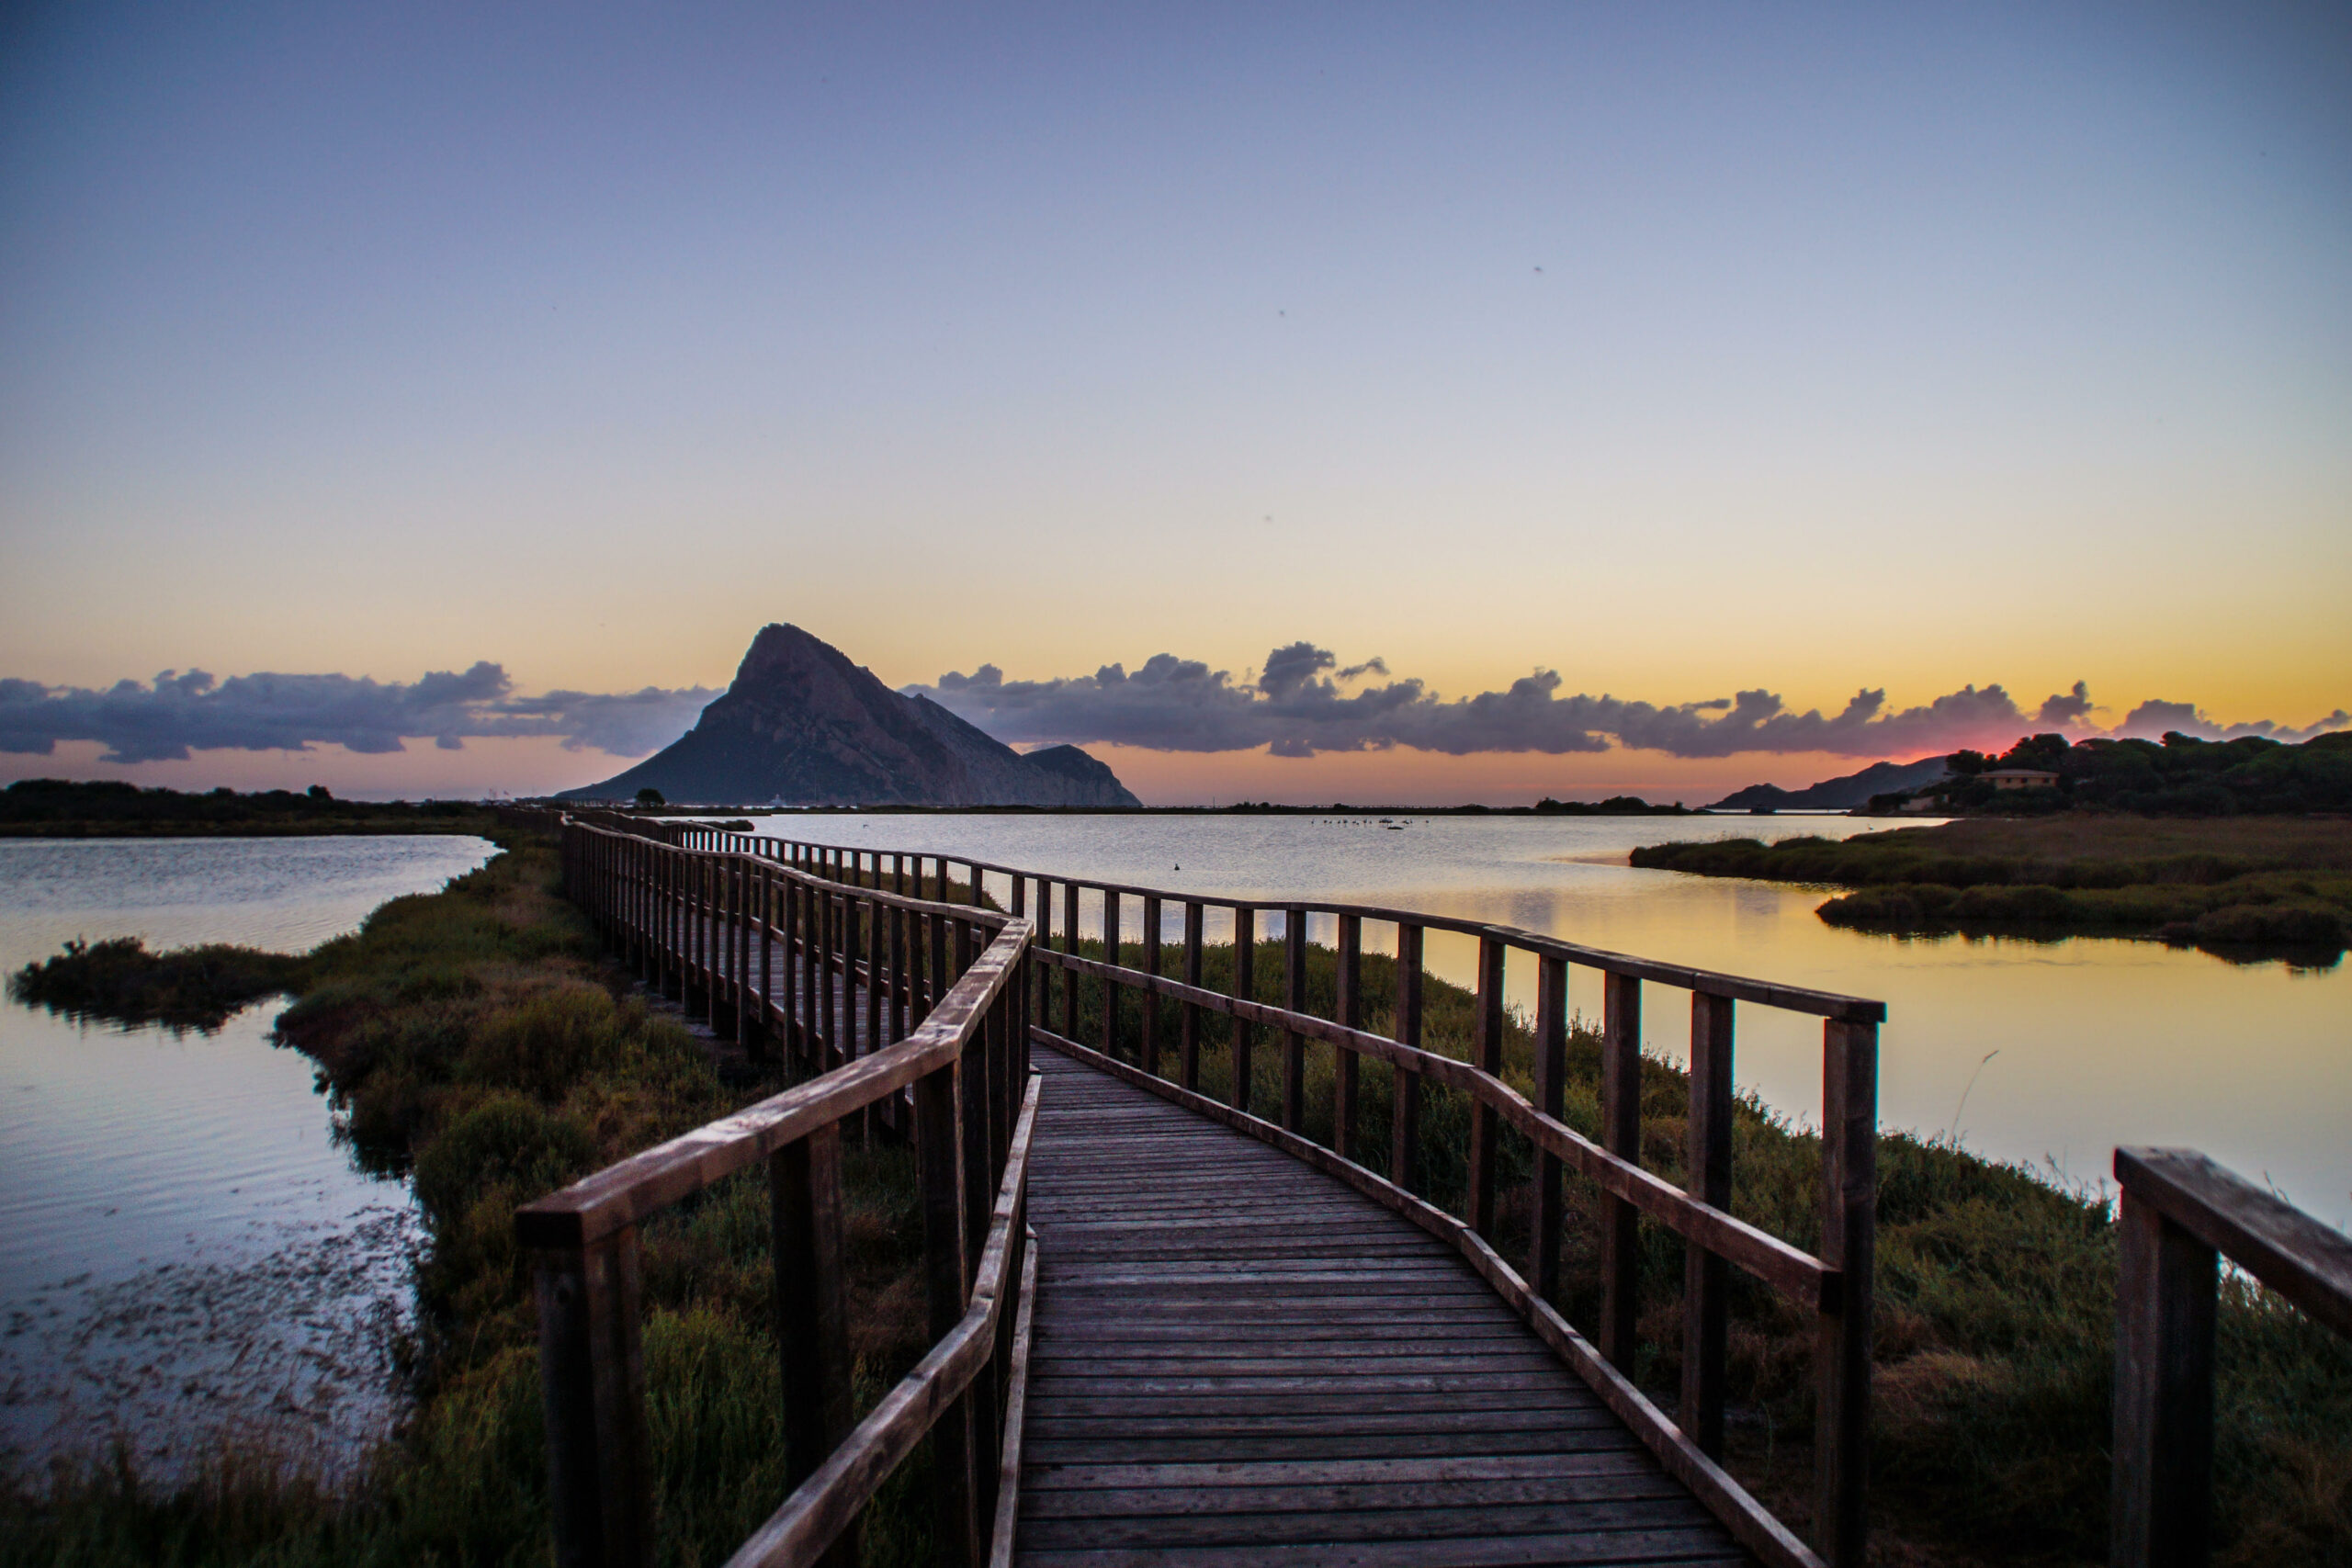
{"x":1680,"y":352}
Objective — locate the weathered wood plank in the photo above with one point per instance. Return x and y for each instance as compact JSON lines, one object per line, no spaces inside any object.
{"x":1206,"y":1301}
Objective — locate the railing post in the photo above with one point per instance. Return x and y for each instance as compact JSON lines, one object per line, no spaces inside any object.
{"x":1551,"y":1098}
{"x":707,"y":935}
{"x":1621,"y":1134}
{"x":1069,"y":945}
{"x":1188,"y":1044}
{"x":742,"y":880}
{"x":767,"y":960}
{"x":1348,"y":1012}
{"x":901,"y":981}
{"x":1405,"y":1098}
{"x":940,"y":1165}
{"x":1848,"y":1243}
{"x":935,"y":955}
{"x":1110,"y":991}
{"x":1245,"y":988}
{"x":592,"y":1388}
{"x":1043,"y":939}
{"x":797,"y":947}
{"x":812,"y":1318}
{"x":1295,"y":999}
{"x":1150,"y":1000}
{"x":1487,"y":1050}
{"x":1707,"y":1160}
{"x":2165,"y":1291}
{"x":877,"y":971}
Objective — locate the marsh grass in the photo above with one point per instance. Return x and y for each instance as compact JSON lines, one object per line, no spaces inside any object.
{"x":1996,"y":1301}
{"x":116,"y":980}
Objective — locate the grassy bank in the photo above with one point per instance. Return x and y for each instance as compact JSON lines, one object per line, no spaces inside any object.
{"x":2246,"y":888}
{"x":1996,"y":1309}
{"x":59,"y":809}
{"x":471,"y":1039}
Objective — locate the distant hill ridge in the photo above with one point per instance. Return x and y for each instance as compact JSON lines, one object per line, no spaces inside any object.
{"x":1841,"y":794}
{"x":802,"y":726}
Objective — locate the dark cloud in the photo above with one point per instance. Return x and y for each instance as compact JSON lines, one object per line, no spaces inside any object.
{"x":1294,"y":708}
{"x":175,"y":714}
{"x":2066,"y":710}
{"x":2155,"y":719}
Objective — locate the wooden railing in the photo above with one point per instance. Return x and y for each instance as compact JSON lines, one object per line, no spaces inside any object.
{"x":2181,"y":1213}
{"x":710,"y":924}
{"x":1834,"y":1286}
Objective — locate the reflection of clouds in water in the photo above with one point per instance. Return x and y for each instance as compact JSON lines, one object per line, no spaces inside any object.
{"x":293,"y":1351}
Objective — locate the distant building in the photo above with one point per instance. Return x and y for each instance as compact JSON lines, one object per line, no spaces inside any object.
{"x":2020,"y":778}
{"x":1921,"y":803}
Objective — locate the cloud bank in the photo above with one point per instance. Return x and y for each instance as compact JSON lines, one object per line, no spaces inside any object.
{"x":1295,"y":709}
{"x":174,"y":714}
{"x":1301,"y":701}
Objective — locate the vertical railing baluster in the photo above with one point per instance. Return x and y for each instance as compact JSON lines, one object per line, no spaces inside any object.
{"x":1244,"y":988}
{"x":1188,"y":1045}
{"x":1405,"y":1100}
{"x":940,"y":1169}
{"x":1069,"y":945}
{"x":1848,"y":1243}
{"x":2162,"y":1498}
{"x":1621,"y":1134}
{"x":1486,"y":1046}
{"x":811,"y":1308}
{"x":1149,"y":998}
{"x":1705,"y":1282}
{"x":1551,"y":1098}
{"x":798,"y":946}
{"x":743,"y":952}
{"x":1295,"y":999}
{"x":1110,"y":991}
{"x":899,"y":974}
{"x":592,"y":1384}
{"x":767,"y":959}
{"x":935,"y":953}
{"x":839,"y":1042}
{"x":1347,"y":1011}
{"x":1045,"y":939}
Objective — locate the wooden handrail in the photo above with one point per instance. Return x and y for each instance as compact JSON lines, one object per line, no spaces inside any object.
{"x":1796,"y":1274}
{"x":2180,"y":1214}
{"x":708,"y":923}
{"x":623,"y":1195}
{"x":1739,"y":988}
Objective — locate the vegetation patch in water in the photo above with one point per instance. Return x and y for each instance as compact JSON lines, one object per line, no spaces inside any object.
{"x":119,"y":981}
{"x":2246,"y":888}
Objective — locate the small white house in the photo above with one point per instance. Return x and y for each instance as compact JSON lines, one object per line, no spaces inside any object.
{"x":2020,"y":778}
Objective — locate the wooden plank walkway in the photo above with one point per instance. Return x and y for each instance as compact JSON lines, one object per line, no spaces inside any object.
{"x":1241,"y":1362}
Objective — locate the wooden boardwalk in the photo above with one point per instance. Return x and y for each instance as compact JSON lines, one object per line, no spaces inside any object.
{"x":1240,"y":1362}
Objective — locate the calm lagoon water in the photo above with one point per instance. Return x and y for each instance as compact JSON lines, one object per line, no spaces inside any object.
{"x":2049,"y":1053}
{"x":185,"y":1251}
